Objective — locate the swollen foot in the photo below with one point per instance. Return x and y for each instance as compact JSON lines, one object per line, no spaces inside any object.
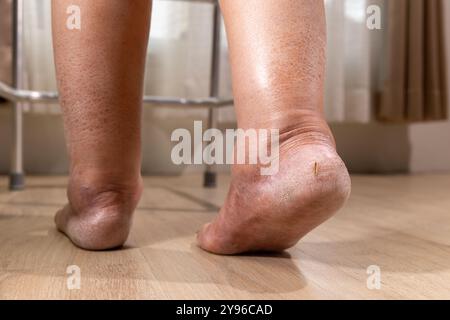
{"x":98,"y":215}
{"x":273,"y":213}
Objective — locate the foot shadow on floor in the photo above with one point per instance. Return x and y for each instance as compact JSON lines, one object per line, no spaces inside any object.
{"x":264,"y":273}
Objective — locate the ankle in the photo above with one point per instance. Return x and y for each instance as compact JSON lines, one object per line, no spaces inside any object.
{"x":102,"y":210}
{"x":306,"y":127}
{"x":97,"y":190}
{"x":301,"y":126}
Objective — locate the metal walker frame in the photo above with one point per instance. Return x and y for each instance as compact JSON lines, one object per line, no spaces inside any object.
{"x":18,"y":96}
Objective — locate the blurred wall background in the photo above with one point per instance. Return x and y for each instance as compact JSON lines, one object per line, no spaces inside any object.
{"x":178,"y":65}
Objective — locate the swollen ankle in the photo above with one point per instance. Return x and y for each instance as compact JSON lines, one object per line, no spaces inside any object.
{"x":93,"y":190}
{"x":99,"y":213}
{"x":302,"y":127}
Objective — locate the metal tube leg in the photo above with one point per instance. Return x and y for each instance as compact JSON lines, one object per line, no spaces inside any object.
{"x":210,"y":176}
{"x":17,"y":177}
{"x":17,"y":181}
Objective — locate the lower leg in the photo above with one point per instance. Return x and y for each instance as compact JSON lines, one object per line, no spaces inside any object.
{"x":100,"y":70}
{"x":277,"y":50}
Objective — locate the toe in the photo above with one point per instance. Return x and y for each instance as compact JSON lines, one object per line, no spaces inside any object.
{"x":214,"y":238}
{"x":60,"y":219}
{"x":204,"y":238}
{"x":209,"y":239}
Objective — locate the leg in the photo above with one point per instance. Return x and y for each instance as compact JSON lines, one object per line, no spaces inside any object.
{"x":17,"y":176}
{"x":277,"y":50}
{"x":100,"y":71}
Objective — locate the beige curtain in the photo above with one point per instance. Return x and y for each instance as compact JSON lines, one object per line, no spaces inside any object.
{"x":414,"y":88}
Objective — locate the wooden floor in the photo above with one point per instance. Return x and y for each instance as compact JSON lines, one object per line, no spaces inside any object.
{"x":399,"y":223}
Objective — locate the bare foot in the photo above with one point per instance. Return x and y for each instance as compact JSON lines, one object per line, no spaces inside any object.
{"x":99,"y":213}
{"x":272,"y":213}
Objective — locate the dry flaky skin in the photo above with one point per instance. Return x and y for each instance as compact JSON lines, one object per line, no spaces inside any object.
{"x":277,"y":50}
